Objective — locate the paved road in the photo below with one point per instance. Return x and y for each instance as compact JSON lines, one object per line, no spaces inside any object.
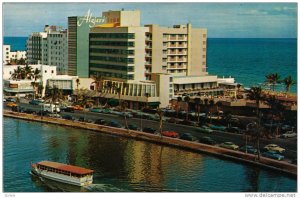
{"x":289,"y":144}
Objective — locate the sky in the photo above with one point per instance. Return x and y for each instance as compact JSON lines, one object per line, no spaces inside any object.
{"x":223,"y":20}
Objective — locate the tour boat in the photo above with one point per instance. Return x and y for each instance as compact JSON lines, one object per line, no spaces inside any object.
{"x":64,"y":173}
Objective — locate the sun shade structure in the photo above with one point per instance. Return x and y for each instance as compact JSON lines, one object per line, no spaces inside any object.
{"x":64,"y":167}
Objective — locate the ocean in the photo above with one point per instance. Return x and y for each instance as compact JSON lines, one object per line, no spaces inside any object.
{"x":247,"y":60}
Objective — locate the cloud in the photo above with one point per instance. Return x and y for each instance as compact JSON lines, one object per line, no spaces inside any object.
{"x":287,"y":11}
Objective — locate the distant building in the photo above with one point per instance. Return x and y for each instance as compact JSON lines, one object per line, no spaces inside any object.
{"x":49,"y":47}
{"x":11,"y":56}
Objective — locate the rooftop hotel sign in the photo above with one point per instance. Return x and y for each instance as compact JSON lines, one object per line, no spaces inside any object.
{"x":90,"y":20}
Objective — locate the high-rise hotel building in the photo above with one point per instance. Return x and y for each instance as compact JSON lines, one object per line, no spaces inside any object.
{"x":49,"y":48}
{"x":78,"y":43}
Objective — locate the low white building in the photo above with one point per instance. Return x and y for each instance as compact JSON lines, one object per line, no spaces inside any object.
{"x":48,"y":77}
{"x":9,"y":55}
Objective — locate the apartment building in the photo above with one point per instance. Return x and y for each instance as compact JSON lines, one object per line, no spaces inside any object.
{"x":49,"y":48}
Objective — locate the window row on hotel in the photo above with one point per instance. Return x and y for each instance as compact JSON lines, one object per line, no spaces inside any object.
{"x":113,"y":51}
{"x":113,"y":75}
{"x":113,"y":59}
{"x":113,"y":67}
{"x":113,"y":35}
{"x":112,"y":43}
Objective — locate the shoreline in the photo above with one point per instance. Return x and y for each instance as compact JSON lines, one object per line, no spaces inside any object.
{"x":268,"y":163}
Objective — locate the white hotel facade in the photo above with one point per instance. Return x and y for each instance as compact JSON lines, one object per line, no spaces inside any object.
{"x":49,"y":47}
{"x":150,"y":63}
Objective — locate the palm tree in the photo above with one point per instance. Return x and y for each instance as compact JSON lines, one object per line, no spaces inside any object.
{"x":255,"y":93}
{"x":97,"y":82}
{"x":187,"y":100}
{"x":179,"y":99}
{"x":288,"y":82}
{"x":273,"y":79}
{"x":206,"y":106}
{"x":198,"y":101}
{"x":40,"y":89}
{"x":28,"y":73}
{"x":276,"y":108}
{"x":36,"y":75}
{"x":77,"y":83}
{"x":219,"y":104}
{"x":160,"y":114}
{"x":18,"y":74}
{"x":123,"y":108}
{"x":211,"y":105}
{"x":55,"y":95}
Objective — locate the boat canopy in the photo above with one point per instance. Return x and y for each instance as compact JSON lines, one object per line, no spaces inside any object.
{"x":65,"y":167}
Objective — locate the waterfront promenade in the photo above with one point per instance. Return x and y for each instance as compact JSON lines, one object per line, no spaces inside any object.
{"x":192,"y":146}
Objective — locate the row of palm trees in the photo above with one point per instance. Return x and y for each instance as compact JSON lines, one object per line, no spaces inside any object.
{"x":274,"y":78}
{"x":28,"y":73}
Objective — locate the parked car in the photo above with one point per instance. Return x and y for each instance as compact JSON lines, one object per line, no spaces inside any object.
{"x":274,"y":147}
{"x":54,"y":115}
{"x":229,"y":145}
{"x":207,"y":140}
{"x":100,"y":121}
{"x":133,"y":127}
{"x":10,"y":100}
{"x":127,"y":114}
{"x":115,"y":124}
{"x":4,"y":100}
{"x":149,"y":130}
{"x":289,"y":134}
{"x":96,"y":110}
{"x":67,"y":109}
{"x":170,"y":134}
{"x":273,"y":155}
{"x":233,"y":130}
{"x":36,"y":102}
{"x":29,"y":111}
{"x":67,"y":117}
{"x":173,"y":120}
{"x":81,"y":119}
{"x":116,"y":113}
{"x":11,"y":104}
{"x":248,"y":149}
{"x":204,"y":129}
{"x":78,"y":108}
{"x":188,"y":122}
{"x":218,"y":128}
{"x":188,"y":136}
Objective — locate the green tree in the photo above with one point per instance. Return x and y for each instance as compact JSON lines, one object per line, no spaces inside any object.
{"x":198,"y":102}
{"x":288,"y":82}
{"x":179,"y":100}
{"x":28,"y":72}
{"x":17,"y":74}
{"x":255,"y":93}
{"x":187,"y":100}
{"x":36,"y":74}
{"x":211,"y":105}
{"x":273,"y":79}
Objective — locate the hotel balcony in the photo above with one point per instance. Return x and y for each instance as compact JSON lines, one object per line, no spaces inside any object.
{"x":148,"y":63}
{"x":148,"y":55}
{"x":148,"y":47}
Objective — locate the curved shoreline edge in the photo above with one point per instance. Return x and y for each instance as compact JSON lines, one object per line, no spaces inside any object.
{"x":281,"y":166}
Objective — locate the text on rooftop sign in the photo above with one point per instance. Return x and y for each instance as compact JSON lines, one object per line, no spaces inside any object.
{"x":90,"y":19}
